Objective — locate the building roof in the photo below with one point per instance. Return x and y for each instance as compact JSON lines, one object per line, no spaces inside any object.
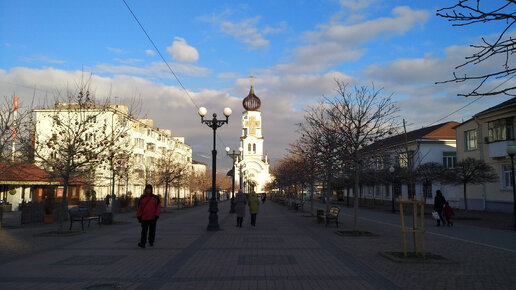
{"x":443,"y":131}
{"x":24,"y":173}
{"x":507,"y":104}
{"x":30,"y":174}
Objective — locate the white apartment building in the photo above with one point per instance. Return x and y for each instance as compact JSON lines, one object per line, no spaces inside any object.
{"x":137,"y":147}
{"x":435,"y":143}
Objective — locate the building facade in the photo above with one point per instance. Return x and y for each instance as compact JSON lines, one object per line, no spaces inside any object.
{"x":485,"y":137}
{"x":405,"y":153}
{"x":135,"y":154}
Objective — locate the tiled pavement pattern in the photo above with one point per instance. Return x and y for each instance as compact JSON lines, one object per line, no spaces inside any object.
{"x":286,"y":250}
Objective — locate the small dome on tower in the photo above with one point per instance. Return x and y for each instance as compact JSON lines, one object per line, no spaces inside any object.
{"x":252,"y":102}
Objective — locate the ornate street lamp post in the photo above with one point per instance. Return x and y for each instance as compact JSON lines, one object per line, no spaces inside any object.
{"x":511,"y":151}
{"x":213,"y":224}
{"x":391,"y":170}
{"x":234,"y":156}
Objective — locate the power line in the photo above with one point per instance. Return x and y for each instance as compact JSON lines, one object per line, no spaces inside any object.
{"x":471,"y":101}
{"x":159,"y":52}
{"x":162,"y":58}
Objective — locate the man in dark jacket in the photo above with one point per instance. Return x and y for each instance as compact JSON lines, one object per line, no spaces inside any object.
{"x":148,"y":212}
{"x":439,"y":202}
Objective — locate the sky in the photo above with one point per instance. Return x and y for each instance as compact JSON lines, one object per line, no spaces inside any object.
{"x":295,"y":49}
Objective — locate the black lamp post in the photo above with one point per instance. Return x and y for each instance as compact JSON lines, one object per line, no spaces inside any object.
{"x":391,"y":170}
{"x":213,"y":224}
{"x":511,"y":151}
{"x":234,"y":156}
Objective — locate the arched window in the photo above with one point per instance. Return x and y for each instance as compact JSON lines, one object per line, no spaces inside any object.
{"x":249,"y":147}
{"x":254,"y":148}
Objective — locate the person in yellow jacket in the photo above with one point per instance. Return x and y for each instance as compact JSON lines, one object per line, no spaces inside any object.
{"x":254,"y":205}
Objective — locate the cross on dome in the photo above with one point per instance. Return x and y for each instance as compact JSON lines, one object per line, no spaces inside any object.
{"x":252,"y":102}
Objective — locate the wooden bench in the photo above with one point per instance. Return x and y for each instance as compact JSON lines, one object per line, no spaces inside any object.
{"x":298,"y":205}
{"x":330,"y":216}
{"x":81,"y":214}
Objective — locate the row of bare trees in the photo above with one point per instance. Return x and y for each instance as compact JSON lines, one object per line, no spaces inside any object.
{"x":336,"y":149}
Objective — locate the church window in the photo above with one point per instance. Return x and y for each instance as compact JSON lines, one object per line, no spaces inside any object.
{"x":249,"y":147}
{"x":254,"y":148}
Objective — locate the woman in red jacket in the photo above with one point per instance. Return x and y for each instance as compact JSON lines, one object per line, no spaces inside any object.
{"x":148,"y":212}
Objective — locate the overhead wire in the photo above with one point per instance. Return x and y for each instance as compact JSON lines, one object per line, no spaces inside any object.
{"x":468,"y":104}
{"x":159,"y":53}
{"x":166,"y":63}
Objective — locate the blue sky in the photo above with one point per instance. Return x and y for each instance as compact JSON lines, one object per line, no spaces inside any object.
{"x":295,"y":48}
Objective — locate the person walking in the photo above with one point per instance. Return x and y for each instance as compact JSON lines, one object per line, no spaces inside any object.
{"x":254,"y":204}
{"x":447,"y":213}
{"x":240,"y":202}
{"x":264,"y":198}
{"x":439,"y":202}
{"x":149,"y":209}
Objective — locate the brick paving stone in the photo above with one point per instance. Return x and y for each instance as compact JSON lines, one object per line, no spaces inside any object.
{"x":284,"y":251}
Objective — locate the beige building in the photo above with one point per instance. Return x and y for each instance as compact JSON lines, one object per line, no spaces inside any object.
{"x":485,"y":137}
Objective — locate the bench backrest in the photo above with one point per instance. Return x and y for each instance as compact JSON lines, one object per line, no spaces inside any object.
{"x":79,"y":212}
{"x":334,"y":211}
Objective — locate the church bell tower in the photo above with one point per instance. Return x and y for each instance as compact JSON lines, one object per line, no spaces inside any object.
{"x":251,"y":140}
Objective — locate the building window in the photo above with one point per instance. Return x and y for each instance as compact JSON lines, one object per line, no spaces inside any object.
{"x":500,"y":130}
{"x":449,"y":159}
{"x":470,"y":140}
{"x":249,"y":147}
{"x":507,"y":176}
{"x":254,"y":148}
{"x":403,"y":160}
{"x":427,"y":189}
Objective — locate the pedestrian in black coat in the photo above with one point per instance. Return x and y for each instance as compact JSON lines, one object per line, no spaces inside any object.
{"x":439,"y":202}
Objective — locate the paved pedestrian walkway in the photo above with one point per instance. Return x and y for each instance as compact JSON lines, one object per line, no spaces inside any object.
{"x":286,"y":250}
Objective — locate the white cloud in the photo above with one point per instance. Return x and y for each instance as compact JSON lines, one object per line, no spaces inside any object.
{"x":128,"y":61}
{"x":227,"y":75}
{"x":335,"y":43}
{"x":245,"y":31}
{"x":115,"y":50}
{"x":155,"y":69}
{"x":354,"y":5}
{"x":181,"y":51}
{"x":42,"y":58}
{"x":150,"y":52}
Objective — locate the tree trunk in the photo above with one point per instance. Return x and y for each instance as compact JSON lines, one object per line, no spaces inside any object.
{"x":64,"y":203}
{"x":465,"y":198}
{"x":178,"y":201}
{"x":312,"y":197}
{"x":355,"y":200}
{"x":166,"y":194}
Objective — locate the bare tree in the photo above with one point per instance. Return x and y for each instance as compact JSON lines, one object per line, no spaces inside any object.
{"x":471,"y":171}
{"x":15,"y":131}
{"x":172,"y":171}
{"x":74,"y":138}
{"x":199,"y":182}
{"x":361,"y":114}
{"x":428,"y":173}
{"x":501,"y":48}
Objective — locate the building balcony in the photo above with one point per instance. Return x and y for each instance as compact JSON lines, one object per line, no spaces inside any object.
{"x":497,"y":149}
